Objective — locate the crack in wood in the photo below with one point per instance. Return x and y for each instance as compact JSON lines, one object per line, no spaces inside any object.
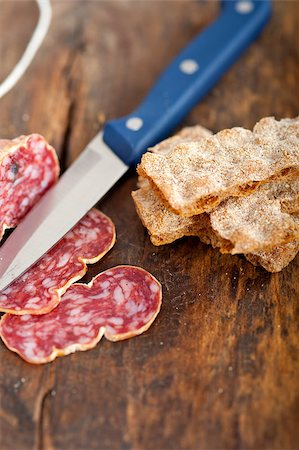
{"x":67,"y":136}
{"x":72,"y":93}
{"x":46,"y":390}
{"x":73,"y":83}
{"x":41,"y":419}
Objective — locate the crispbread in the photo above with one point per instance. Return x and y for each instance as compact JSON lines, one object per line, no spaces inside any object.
{"x":187,"y":134}
{"x":195,"y":177}
{"x":276,"y":259}
{"x":268,"y":218}
{"x":164,"y":227}
{"x":273,"y":260}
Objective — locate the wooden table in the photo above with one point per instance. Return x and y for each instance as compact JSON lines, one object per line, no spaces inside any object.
{"x":219,"y":366}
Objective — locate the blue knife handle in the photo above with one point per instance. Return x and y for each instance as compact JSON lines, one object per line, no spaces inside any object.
{"x":187,"y":79}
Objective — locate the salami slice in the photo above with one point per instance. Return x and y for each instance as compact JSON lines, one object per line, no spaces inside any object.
{"x":119,"y":303}
{"x":28,"y":168}
{"x":39,"y":290}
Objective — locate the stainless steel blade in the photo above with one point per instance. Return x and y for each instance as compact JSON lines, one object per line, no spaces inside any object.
{"x":90,"y":177}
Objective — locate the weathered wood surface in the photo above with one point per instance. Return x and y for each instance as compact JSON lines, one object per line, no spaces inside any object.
{"x":219,"y":367}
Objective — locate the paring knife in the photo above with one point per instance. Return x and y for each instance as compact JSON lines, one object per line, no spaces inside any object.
{"x":107,"y":157}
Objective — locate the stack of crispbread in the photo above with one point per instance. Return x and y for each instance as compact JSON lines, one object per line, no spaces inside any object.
{"x":237,"y":190}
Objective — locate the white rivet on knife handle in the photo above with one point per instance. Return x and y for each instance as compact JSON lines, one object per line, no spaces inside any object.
{"x":134,"y":123}
{"x":244,"y":7}
{"x":189,"y":66}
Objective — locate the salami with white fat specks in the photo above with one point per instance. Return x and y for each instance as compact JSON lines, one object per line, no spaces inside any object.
{"x":28,"y":168}
{"x":39,"y":290}
{"x":119,"y":303}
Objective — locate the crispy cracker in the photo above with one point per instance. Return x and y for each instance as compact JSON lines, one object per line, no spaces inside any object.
{"x":273,"y":260}
{"x":195,"y":177}
{"x":187,"y":134}
{"x":239,"y":225}
{"x":276,"y":259}
{"x":164,"y":227}
{"x":268,"y":218}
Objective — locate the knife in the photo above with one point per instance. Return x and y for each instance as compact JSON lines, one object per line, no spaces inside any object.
{"x":108,"y":156}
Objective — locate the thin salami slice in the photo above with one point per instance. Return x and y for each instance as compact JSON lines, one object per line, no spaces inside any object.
{"x":39,"y":290}
{"x":28,"y":168}
{"x":119,"y":303}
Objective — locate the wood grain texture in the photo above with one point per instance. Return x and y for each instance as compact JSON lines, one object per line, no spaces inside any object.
{"x":219,"y":366}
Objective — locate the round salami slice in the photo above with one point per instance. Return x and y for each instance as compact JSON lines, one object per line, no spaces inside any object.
{"x":28,"y":168}
{"x":39,"y":290}
{"x":119,"y":303}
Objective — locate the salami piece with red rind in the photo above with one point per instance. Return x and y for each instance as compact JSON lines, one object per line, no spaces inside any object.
{"x":119,"y":303}
{"x":28,"y":168}
{"x":39,"y":290}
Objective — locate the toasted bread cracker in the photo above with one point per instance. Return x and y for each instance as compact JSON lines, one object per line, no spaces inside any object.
{"x":268,"y":218}
{"x":239,"y":225}
{"x":195,"y":177}
{"x":187,"y":134}
{"x":273,"y":260}
{"x":276,"y":259}
{"x":163,"y":225}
